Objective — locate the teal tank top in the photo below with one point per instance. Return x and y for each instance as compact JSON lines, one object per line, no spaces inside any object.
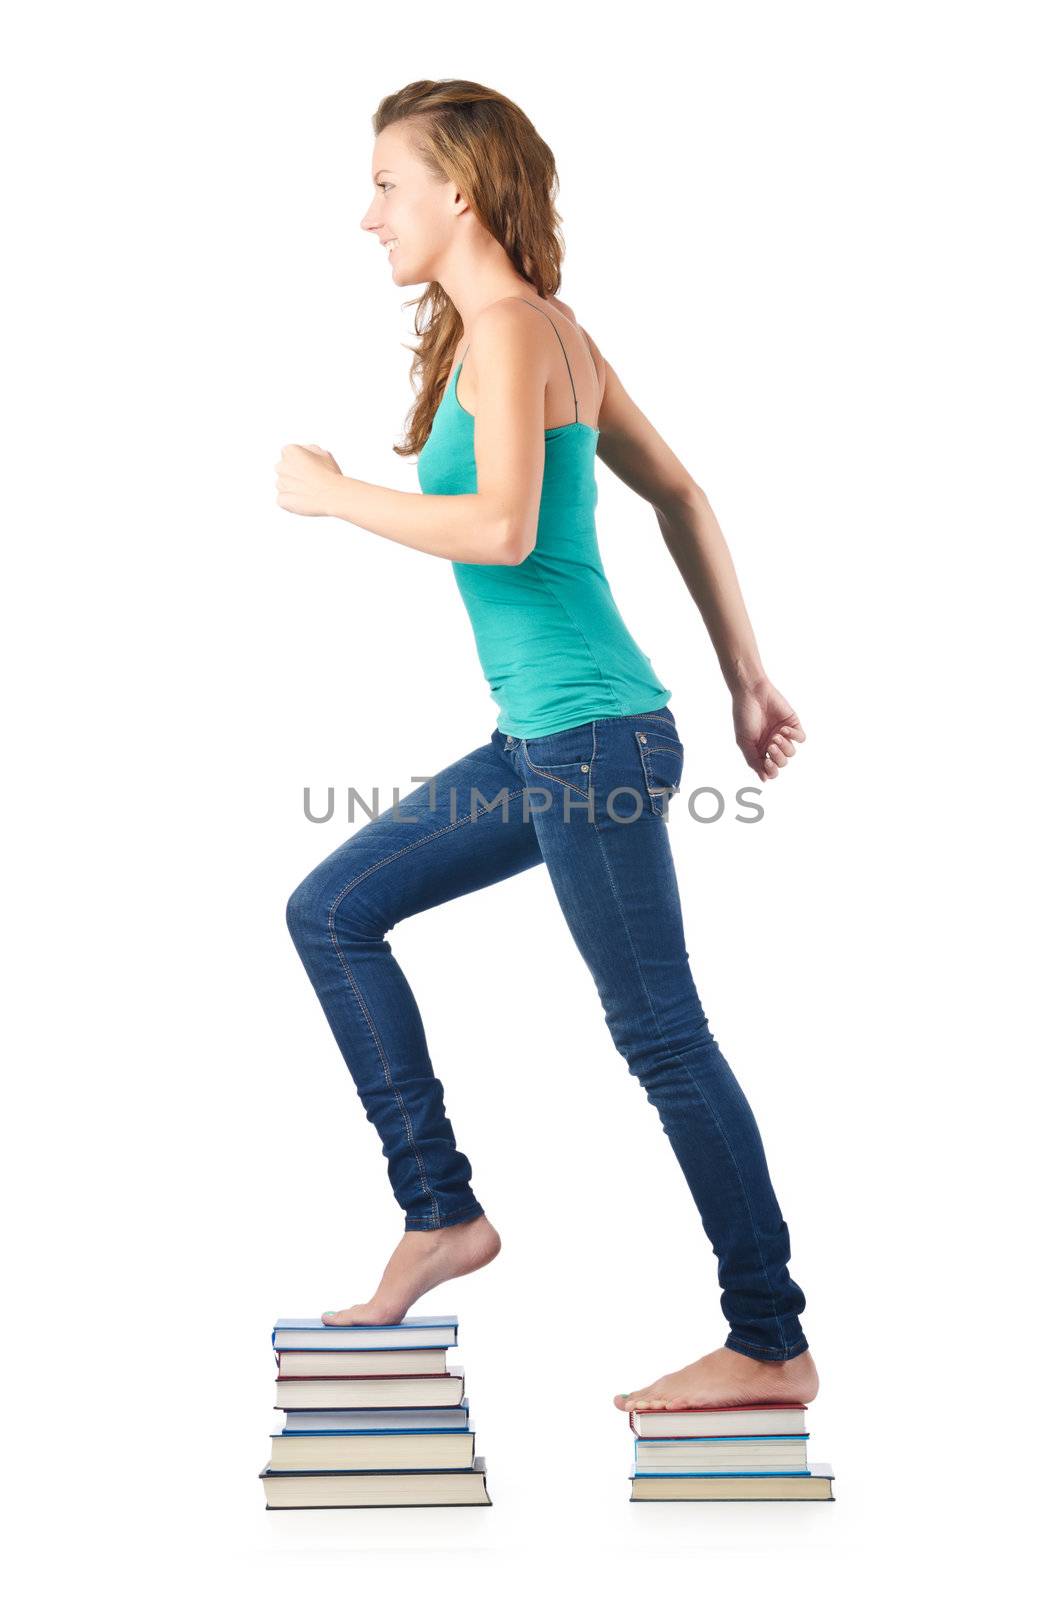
{"x":549,"y":636}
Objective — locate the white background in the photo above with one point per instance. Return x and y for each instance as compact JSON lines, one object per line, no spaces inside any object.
{"x":814,"y":241}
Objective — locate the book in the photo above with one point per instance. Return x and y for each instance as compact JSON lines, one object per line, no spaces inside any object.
{"x":330,"y":1394}
{"x":313,"y":1489}
{"x":358,"y":1363}
{"x":388,"y":1448}
{"x":816,"y":1484}
{"x":409,"y":1419}
{"x":707,"y":1422}
{"x":784,"y":1453}
{"x":310,"y":1333}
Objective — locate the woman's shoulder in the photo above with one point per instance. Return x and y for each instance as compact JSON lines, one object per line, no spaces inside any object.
{"x":561,"y":306}
{"x":598,"y":361}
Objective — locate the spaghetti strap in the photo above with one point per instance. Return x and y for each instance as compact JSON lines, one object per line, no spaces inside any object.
{"x":562,"y":346}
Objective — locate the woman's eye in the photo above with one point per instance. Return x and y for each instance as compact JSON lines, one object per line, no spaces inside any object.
{"x":384,"y":185}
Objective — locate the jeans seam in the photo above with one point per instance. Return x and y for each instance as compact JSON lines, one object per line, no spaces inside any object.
{"x":696,"y":1086}
{"x":369,"y":1019}
{"x":384,"y":1062}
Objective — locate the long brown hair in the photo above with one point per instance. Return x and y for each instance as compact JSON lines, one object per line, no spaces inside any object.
{"x":480,"y":140}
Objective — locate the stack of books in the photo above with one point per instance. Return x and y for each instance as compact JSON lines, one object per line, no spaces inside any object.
{"x":726,"y":1453}
{"x":372,"y":1416}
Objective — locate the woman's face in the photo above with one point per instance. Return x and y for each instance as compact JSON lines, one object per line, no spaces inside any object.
{"x":410,"y":208}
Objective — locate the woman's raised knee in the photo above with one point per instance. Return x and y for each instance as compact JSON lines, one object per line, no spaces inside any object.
{"x":307,"y":906}
{"x":324,"y":903}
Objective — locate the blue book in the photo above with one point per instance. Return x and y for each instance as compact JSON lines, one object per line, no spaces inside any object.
{"x":310,"y":1333}
{"x":360,"y":1363}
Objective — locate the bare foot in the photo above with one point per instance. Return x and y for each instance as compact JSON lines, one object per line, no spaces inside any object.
{"x":726,"y":1378}
{"x":421,"y":1261}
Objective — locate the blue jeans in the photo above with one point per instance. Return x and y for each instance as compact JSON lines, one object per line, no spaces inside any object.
{"x":591,"y":803}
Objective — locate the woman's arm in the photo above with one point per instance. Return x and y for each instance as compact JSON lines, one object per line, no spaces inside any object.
{"x":497,"y":525}
{"x":765,"y":723}
{"x":457,"y":527}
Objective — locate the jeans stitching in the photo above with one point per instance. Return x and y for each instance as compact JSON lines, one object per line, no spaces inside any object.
{"x":769,"y":1348}
{"x":445,"y":1215}
{"x":384,"y":1062}
{"x":543,"y":772}
{"x":649,"y":775}
{"x":646,"y":766}
{"x":696,"y":1086}
{"x":789,"y":1351}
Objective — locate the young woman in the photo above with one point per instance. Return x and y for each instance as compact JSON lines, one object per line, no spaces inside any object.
{"x":515,"y":403}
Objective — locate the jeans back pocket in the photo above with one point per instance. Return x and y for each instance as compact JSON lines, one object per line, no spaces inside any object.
{"x":662,"y":759}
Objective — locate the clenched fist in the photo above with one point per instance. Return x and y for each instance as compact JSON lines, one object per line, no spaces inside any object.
{"x":306,"y":477}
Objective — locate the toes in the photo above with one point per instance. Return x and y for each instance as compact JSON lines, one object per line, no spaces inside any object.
{"x":642,"y":1400}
